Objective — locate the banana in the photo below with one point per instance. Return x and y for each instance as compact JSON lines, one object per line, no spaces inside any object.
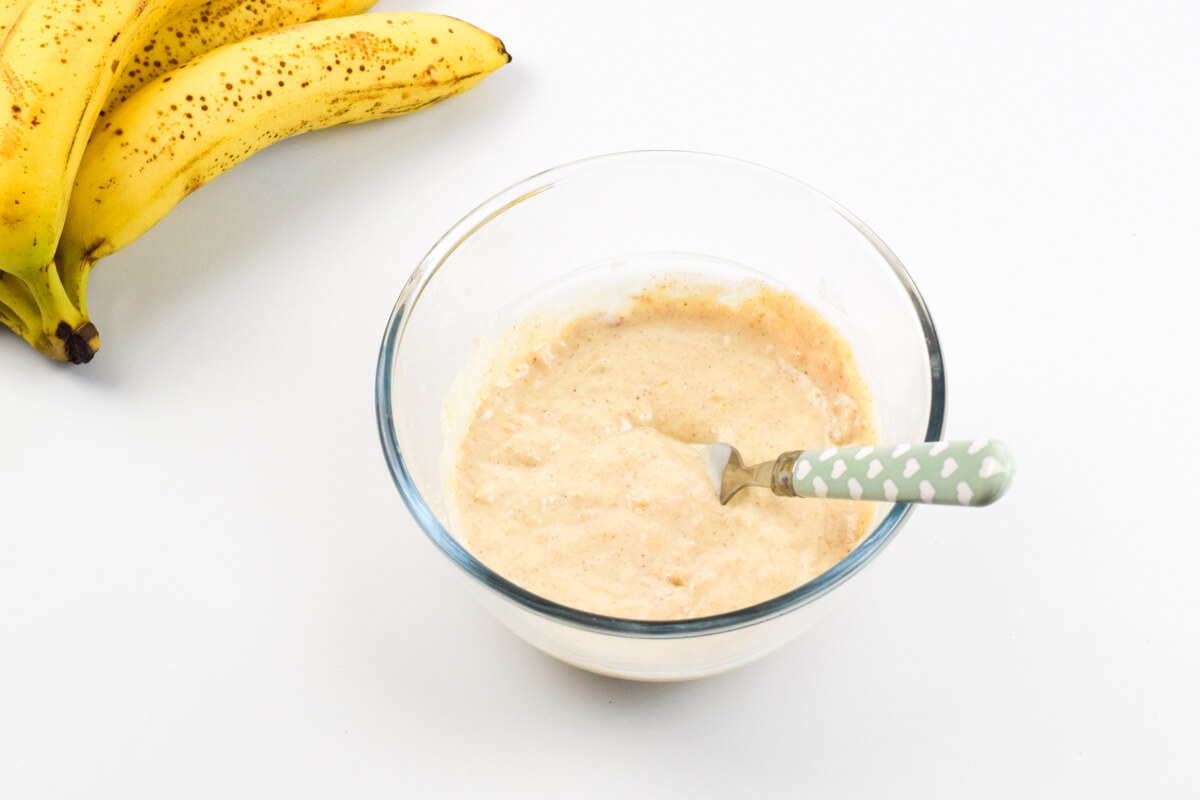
{"x":58,"y":60}
{"x":190,"y":125}
{"x":15,"y":300}
{"x":11,"y":319}
{"x":179,"y":38}
{"x":18,"y":309}
{"x":183,"y":36}
{"x":9,"y":9}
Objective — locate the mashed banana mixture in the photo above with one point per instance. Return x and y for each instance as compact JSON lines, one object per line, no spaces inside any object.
{"x":572,"y":475}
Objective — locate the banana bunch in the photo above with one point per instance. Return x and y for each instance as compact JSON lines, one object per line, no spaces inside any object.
{"x":113,"y":111}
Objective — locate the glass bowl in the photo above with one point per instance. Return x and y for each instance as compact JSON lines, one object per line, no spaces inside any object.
{"x":634,"y":206}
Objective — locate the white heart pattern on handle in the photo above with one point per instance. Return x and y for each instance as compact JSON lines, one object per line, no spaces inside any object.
{"x":906,"y":473}
{"x":990,"y":467}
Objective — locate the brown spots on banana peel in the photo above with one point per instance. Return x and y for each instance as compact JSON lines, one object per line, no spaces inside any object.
{"x":190,"y":33}
{"x":194,"y":123}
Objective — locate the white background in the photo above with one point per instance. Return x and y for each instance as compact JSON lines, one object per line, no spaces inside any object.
{"x":209,"y":586}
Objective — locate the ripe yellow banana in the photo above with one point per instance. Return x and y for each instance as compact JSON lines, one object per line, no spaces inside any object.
{"x":183,"y":36}
{"x":11,"y":319}
{"x":14,"y":297}
{"x":179,"y":37}
{"x":58,"y":60}
{"x":9,"y":9}
{"x":181,"y":131}
{"x":18,"y":309}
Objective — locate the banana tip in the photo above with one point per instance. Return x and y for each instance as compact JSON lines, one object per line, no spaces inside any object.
{"x":503,"y":50}
{"x":82,"y":343}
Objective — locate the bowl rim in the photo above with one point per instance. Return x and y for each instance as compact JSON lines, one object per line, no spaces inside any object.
{"x":802,"y":595}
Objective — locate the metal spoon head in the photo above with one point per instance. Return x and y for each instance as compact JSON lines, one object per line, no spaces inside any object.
{"x":723,"y":464}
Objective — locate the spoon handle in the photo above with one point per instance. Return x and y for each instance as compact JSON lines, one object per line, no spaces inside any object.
{"x":947,"y":473}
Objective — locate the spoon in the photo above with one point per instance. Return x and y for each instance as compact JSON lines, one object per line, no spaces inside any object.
{"x":964,"y":473}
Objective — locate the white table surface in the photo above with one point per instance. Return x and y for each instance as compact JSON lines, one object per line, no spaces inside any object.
{"x":209,"y":586}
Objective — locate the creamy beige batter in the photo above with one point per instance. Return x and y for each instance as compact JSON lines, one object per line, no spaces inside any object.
{"x":573,"y":478}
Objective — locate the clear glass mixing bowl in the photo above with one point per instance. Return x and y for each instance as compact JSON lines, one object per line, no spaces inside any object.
{"x":644,"y":205}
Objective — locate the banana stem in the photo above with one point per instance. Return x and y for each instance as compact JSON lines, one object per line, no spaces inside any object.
{"x":65,"y":333}
{"x":74,"y":269}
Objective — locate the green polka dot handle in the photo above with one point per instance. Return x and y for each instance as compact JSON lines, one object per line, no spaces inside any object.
{"x":948,"y":473}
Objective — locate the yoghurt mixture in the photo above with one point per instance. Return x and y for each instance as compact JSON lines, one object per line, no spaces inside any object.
{"x":572,"y":476}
